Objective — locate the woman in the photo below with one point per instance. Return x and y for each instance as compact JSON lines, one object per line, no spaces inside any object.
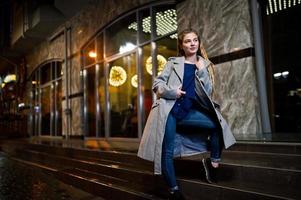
{"x":183,"y":91}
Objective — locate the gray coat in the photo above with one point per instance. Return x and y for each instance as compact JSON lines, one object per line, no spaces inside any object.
{"x":165,"y":86}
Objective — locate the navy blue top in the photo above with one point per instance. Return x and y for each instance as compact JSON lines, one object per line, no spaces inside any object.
{"x":183,"y":104}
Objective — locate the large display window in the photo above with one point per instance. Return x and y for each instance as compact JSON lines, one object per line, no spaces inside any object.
{"x":46,"y":100}
{"x":118,"y":98}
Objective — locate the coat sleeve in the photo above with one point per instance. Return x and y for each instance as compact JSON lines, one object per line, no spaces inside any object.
{"x":160,"y":85}
{"x":203,"y":75}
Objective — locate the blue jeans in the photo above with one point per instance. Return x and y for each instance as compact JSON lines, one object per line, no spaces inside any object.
{"x":195,"y":119}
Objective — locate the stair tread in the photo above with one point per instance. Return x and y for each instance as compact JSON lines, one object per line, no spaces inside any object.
{"x":70,"y":172}
{"x":288,"y":161}
{"x":254,"y":186}
{"x":96,"y":181}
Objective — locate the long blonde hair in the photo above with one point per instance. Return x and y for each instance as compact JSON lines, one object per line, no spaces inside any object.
{"x":201,"y":52}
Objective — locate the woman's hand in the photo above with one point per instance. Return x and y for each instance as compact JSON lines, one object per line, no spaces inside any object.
{"x":200,"y":64}
{"x":180,"y":92}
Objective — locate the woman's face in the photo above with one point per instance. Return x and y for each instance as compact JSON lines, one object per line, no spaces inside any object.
{"x":190,"y":44}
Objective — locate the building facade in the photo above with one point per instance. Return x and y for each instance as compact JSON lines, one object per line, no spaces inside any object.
{"x":92,"y":76}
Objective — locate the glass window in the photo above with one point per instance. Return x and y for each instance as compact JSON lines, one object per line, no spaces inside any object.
{"x":45,"y":73}
{"x":89,"y":54}
{"x":52,"y":111}
{"x":282,"y":45}
{"x":34,"y":80}
{"x":121,"y":36}
{"x":123,"y":97}
{"x":118,"y":39}
{"x":166,"y":47}
{"x":46,"y":116}
{"x":102,"y":98}
{"x":58,"y":112}
{"x":99,"y":47}
{"x":36,"y":107}
{"x":59,"y":69}
{"x":33,"y":101}
{"x":91,"y":101}
{"x":53,"y":68}
{"x":166,"y":20}
{"x":145,"y":23}
{"x":45,"y":110}
{"x":147,"y":80}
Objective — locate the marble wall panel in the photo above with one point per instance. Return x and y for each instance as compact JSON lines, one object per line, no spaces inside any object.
{"x":236,"y":91}
{"x":224,"y":25}
{"x":76,"y":117}
{"x":75,"y":82}
{"x":45,"y":51}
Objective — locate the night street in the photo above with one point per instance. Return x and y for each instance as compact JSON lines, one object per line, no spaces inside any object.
{"x":19,"y":182}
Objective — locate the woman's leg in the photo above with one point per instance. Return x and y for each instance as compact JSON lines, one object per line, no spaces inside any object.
{"x":167,"y":164}
{"x":198,"y":119}
{"x":216,"y":147}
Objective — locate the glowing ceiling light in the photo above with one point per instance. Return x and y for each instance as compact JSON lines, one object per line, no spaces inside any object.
{"x":134,"y":81}
{"x":133,"y":26}
{"x":146,"y":24}
{"x":92,"y":54}
{"x":174,"y":36}
{"x":127,"y":47}
{"x":275,"y":6}
{"x":277,"y":75}
{"x":117,"y":76}
{"x":21,"y":105}
{"x":166,"y":22}
{"x":270,"y":5}
{"x":161,"y":63}
{"x":285,"y":74}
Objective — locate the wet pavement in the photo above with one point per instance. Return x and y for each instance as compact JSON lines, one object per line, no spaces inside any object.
{"x":20,"y":182}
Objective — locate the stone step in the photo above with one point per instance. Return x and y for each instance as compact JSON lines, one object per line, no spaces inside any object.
{"x":101,"y":187}
{"x":191,"y":189}
{"x":257,"y":179}
{"x":258,"y":159}
{"x":257,"y":172}
{"x":270,"y":181}
{"x":194,"y":191}
{"x":149,"y":185}
{"x":117,"y":158}
{"x":267,"y":147}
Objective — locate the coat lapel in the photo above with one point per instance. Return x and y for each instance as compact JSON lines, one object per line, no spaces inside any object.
{"x":179,"y":67}
{"x":206,"y":62}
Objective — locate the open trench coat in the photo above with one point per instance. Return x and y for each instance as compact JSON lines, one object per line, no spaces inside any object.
{"x":165,"y":86}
